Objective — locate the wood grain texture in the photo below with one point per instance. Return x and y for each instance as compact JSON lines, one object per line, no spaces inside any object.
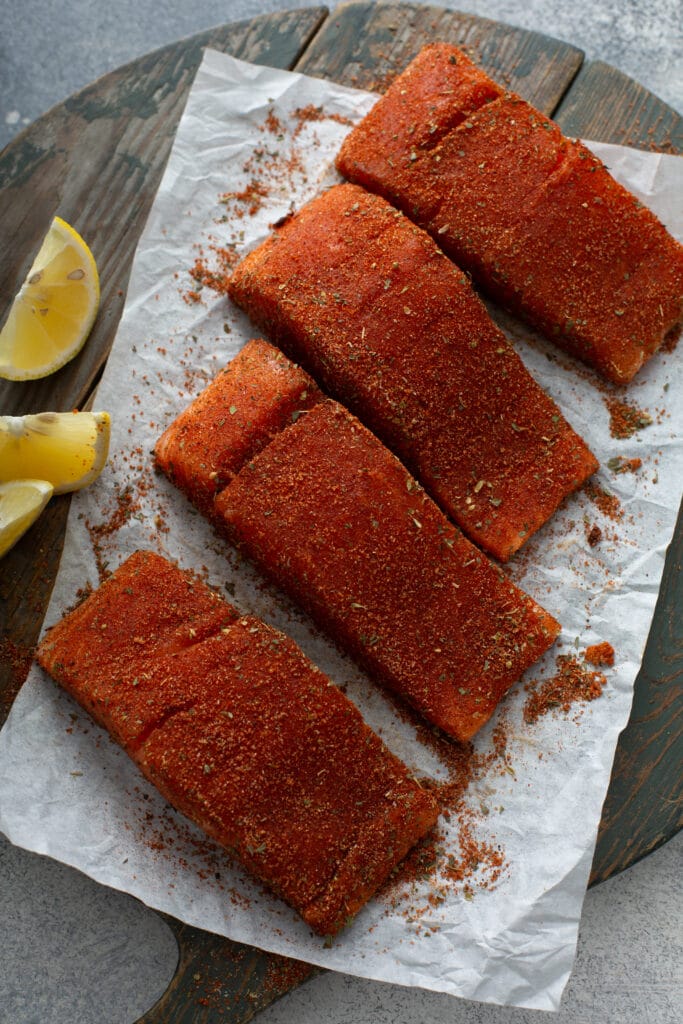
{"x":365,"y":45}
{"x":633,"y":116}
{"x":217,"y":980}
{"x":644,"y":803}
{"x":27,"y":576}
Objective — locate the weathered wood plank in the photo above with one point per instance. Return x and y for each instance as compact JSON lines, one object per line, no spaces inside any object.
{"x":644,"y":803}
{"x":632,"y":117}
{"x":366,"y":45}
{"x":27,"y":575}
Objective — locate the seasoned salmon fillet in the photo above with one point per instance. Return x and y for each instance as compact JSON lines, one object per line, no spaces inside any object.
{"x":330,"y":515}
{"x":243,"y":735}
{"x":394,"y":331}
{"x":249,"y":402}
{"x":535,"y":218}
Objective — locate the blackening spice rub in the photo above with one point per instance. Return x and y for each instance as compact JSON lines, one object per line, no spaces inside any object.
{"x":535,"y":217}
{"x":331,"y":516}
{"x":257,"y":394}
{"x":243,"y":735}
{"x":390,"y":328}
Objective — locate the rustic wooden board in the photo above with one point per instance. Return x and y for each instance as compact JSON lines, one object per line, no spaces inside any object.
{"x":643,"y":807}
{"x":98,"y":158}
{"x":632,"y":117}
{"x":365,"y":45}
{"x":218,"y":981}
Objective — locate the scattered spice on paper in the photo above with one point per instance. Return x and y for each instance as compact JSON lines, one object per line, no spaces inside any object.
{"x":462,"y":854}
{"x":608,"y":504}
{"x":625,"y":419}
{"x":593,"y":534}
{"x":212,"y":271}
{"x":310,"y":112}
{"x":620,"y":464}
{"x":572,"y":684}
{"x":600,"y":654}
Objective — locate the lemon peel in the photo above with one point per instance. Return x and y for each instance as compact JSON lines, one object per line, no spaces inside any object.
{"x":67,"y":449}
{"x":52,"y":314}
{"x":21,"y":502}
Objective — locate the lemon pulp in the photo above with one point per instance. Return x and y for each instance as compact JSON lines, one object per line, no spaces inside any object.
{"x":67,"y":449}
{"x":21,"y":502}
{"x":54,"y":310}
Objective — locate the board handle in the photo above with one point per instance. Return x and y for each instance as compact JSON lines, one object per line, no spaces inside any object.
{"x":218,"y":981}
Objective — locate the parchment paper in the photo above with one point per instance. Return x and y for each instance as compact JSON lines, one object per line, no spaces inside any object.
{"x":68,"y":791}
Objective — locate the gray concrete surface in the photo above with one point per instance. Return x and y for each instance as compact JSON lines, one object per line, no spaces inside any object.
{"x":76,"y":953}
{"x":49,"y":49}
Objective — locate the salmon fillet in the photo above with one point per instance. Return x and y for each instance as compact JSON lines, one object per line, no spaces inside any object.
{"x":329,"y":514}
{"x":245,"y":405}
{"x":243,"y":735}
{"x":535,"y":218}
{"x":394,"y":331}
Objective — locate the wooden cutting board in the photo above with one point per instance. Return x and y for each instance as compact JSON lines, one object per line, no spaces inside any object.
{"x":98,"y":158}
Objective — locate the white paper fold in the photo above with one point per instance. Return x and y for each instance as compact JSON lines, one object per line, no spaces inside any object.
{"x":68,"y":791}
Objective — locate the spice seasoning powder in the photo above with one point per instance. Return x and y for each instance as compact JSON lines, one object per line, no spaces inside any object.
{"x":572,"y":684}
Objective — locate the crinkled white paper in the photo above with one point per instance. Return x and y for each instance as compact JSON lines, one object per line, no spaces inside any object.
{"x":68,"y":791}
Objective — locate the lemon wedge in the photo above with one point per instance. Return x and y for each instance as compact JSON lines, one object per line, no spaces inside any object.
{"x":54,"y":310}
{"x":68,"y":449}
{"x":21,"y":502}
